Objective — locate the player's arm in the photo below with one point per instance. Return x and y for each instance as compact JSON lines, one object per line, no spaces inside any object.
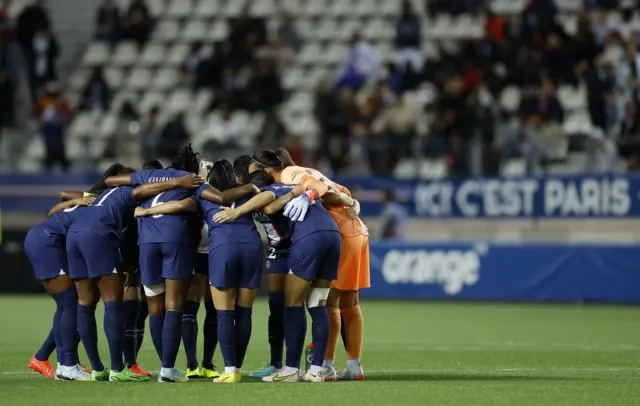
{"x":82,"y":201}
{"x":282,"y":201}
{"x":228,"y":196}
{"x":148,"y":190}
{"x":187,"y":205}
{"x":353,"y":208}
{"x":256,"y":203}
{"x":337,"y":199}
{"x":66,"y":195}
{"x":118,"y":180}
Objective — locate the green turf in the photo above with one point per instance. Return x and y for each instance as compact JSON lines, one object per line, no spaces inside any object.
{"x":415,"y":354}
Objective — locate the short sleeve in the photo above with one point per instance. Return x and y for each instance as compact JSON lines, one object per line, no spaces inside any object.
{"x":199,"y":191}
{"x":140,"y":177}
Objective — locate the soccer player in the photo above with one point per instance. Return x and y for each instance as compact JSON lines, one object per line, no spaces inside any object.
{"x":235,"y":264}
{"x":312,"y":265}
{"x":45,"y":247}
{"x":353,"y":272}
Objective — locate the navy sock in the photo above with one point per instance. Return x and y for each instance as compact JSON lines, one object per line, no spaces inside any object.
{"x":295,"y":330}
{"x":69,"y":326}
{"x":140,"y":323}
{"x":190,"y":332}
{"x":130,"y":310}
{"x":227,"y":336}
{"x":276,"y":327}
{"x":89,"y":335}
{"x":156,"y":324}
{"x":114,"y":330}
{"x":319,"y":333}
{"x":243,"y":333}
{"x":171,"y":336}
{"x":49,"y":344}
{"x":57,"y":334}
{"x":210,"y":333}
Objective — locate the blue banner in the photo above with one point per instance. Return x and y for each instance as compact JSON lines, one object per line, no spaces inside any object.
{"x":607,"y":196}
{"x":522,"y":272}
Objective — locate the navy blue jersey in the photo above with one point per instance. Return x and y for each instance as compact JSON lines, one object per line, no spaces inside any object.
{"x":161,"y":228}
{"x":240,"y":230}
{"x":108,"y":214}
{"x":60,"y":222}
{"x":276,"y":226}
{"x":317,"y":218}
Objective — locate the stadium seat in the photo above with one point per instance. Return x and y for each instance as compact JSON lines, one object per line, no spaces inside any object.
{"x":180,"y":9}
{"x":166,"y":79}
{"x":194,"y":30}
{"x":108,"y":127}
{"x":180,"y":100}
{"x":366,"y":8}
{"x":126,"y":53}
{"x":263,"y":8}
{"x":78,"y":79}
{"x":219,"y":31}
{"x":232,"y":9}
{"x":510,"y":98}
{"x":406,"y":169}
{"x":203,"y":100}
{"x":335,"y":53}
{"x":433,"y":169}
{"x":114,"y":77}
{"x":291,"y":6}
{"x":207,"y":9}
{"x":96,"y":54}
{"x":83,"y":125}
{"x":304,"y":28}
{"x":313,"y":9}
{"x":139,"y":79}
{"x":514,"y":167}
{"x":339,"y":9}
{"x":326,"y":30}
{"x":292,"y":78}
{"x":150,"y":100}
{"x":572,"y":99}
{"x":156,"y":7}
{"x":177,"y":55}
{"x":120,"y":98}
{"x":348,"y":28}
{"x":167,"y":31}
{"x":153,"y":54}
{"x":311,"y":54}
{"x":301,"y":101}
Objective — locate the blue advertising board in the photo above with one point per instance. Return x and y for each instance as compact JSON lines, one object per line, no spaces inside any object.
{"x":609,"y":196}
{"x":511,"y":272}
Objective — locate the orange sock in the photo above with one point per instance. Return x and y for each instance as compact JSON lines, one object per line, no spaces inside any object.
{"x":334,"y":332}
{"x":354,"y":324}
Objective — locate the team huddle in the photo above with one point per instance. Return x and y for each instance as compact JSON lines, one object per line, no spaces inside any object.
{"x":153,"y":244}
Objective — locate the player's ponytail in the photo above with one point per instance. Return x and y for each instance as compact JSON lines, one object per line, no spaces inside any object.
{"x":285,"y":158}
{"x":261,"y":179}
{"x":241,"y":168}
{"x":186,"y":160}
{"x":221,"y":175}
{"x":268,"y":159}
{"x":100,"y":186}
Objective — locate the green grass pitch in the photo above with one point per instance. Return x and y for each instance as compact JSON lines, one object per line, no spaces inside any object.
{"x":415,"y":353}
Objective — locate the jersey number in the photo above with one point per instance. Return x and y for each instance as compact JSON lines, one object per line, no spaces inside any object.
{"x":271,"y":253}
{"x":155,"y":203}
{"x":105,"y":197}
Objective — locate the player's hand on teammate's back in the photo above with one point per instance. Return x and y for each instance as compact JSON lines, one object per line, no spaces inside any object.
{"x":140,"y":212}
{"x":189,"y":181}
{"x":354,"y":211}
{"x":296,"y":209}
{"x":225,"y":214}
{"x":85,"y":201}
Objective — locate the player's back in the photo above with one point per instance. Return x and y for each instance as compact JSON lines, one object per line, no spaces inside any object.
{"x":277,"y":228}
{"x":173,"y":228}
{"x":240,"y":230}
{"x":107,"y":214}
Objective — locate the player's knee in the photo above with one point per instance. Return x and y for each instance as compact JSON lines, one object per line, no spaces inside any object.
{"x":348,"y":299}
{"x":317,"y":297}
{"x":153,"y":290}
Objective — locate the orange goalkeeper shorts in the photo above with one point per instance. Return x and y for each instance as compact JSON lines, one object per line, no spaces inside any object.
{"x":353,"y":269}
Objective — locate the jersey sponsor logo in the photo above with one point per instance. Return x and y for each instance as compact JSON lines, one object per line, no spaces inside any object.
{"x":452,"y":269}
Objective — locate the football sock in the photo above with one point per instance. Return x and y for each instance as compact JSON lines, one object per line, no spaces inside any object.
{"x":354,"y":324}
{"x":69,"y":326}
{"x":210,"y":333}
{"x":227,"y":338}
{"x":140,"y":323}
{"x":156,"y":324}
{"x":295,"y":330}
{"x":276,"y":327}
{"x":243,"y":333}
{"x":190,"y":332}
{"x":319,"y":333}
{"x":130,"y":309}
{"x":171,"y":336}
{"x":49,"y":344}
{"x":334,"y":332}
{"x":89,"y":335}
{"x":114,"y":330}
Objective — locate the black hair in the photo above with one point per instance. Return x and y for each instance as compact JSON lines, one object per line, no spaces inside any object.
{"x":113,"y":170}
{"x":261,"y":179}
{"x":241,"y":167}
{"x":285,"y":158}
{"x":221,"y":175}
{"x":153,"y":164}
{"x":186,"y":160}
{"x":268,"y":159}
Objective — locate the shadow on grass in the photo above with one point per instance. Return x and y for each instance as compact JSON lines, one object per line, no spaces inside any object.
{"x":435,"y":377}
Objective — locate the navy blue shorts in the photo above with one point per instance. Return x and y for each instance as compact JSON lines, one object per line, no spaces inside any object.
{"x":47,"y":253}
{"x":202,"y":265}
{"x":237,"y":265}
{"x":165,"y":260}
{"x":278,"y":265}
{"x":316,"y":256}
{"x":92,"y":255}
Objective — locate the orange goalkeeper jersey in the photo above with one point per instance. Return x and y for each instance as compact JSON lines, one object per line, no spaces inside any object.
{"x":313,"y":179}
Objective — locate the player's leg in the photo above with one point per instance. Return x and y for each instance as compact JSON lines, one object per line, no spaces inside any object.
{"x":190,"y":323}
{"x":40,"y":361}
{"x":333,"y":311}
{"x":177,"y":270}
{"x":210,"y":334}
{"x":153,"y":287}
{"x":141,"y":321}
{"x":130,"y":310}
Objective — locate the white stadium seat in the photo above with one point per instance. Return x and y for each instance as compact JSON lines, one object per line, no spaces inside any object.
{"x":96,"y":54}
{"x":177,"y":55}
{"x":180,"y":9}
{"x":153,"y":54}
{"x":150,"y":100}
{"x":139,"y":79}
{"x":126,"y":53}
{"x":166,"y":79}
{"x":207,"y":9}
{"x":195,"y":30}
{"x":167,"y":31}
{"x":114,"y":77}
{"x":219,"y":31}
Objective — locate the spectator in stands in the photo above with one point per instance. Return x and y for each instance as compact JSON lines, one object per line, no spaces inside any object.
{"x":264,"y":90}
{"x":393,"y":217}
{"x":408,"y":38}
{"x":32,"y":19}
{"x":600,"y":84}
{"x":288,"y":34}
{"x":54,"y":115}
{"x":96,"y":94}
{"x":191,"y":66}
{"x":220,"y":131}
{"x":602,"y":154}
{"x":108,"y":21}
{"x":360,"y":65}
{"x":150,"y":134}
{"x":41,"y":57}
{"x":246,"y":35}
{"x":10,"y":66}
{"x":138,"y":23}
{"x":173,"y":137}
{"x":629,"y":25}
